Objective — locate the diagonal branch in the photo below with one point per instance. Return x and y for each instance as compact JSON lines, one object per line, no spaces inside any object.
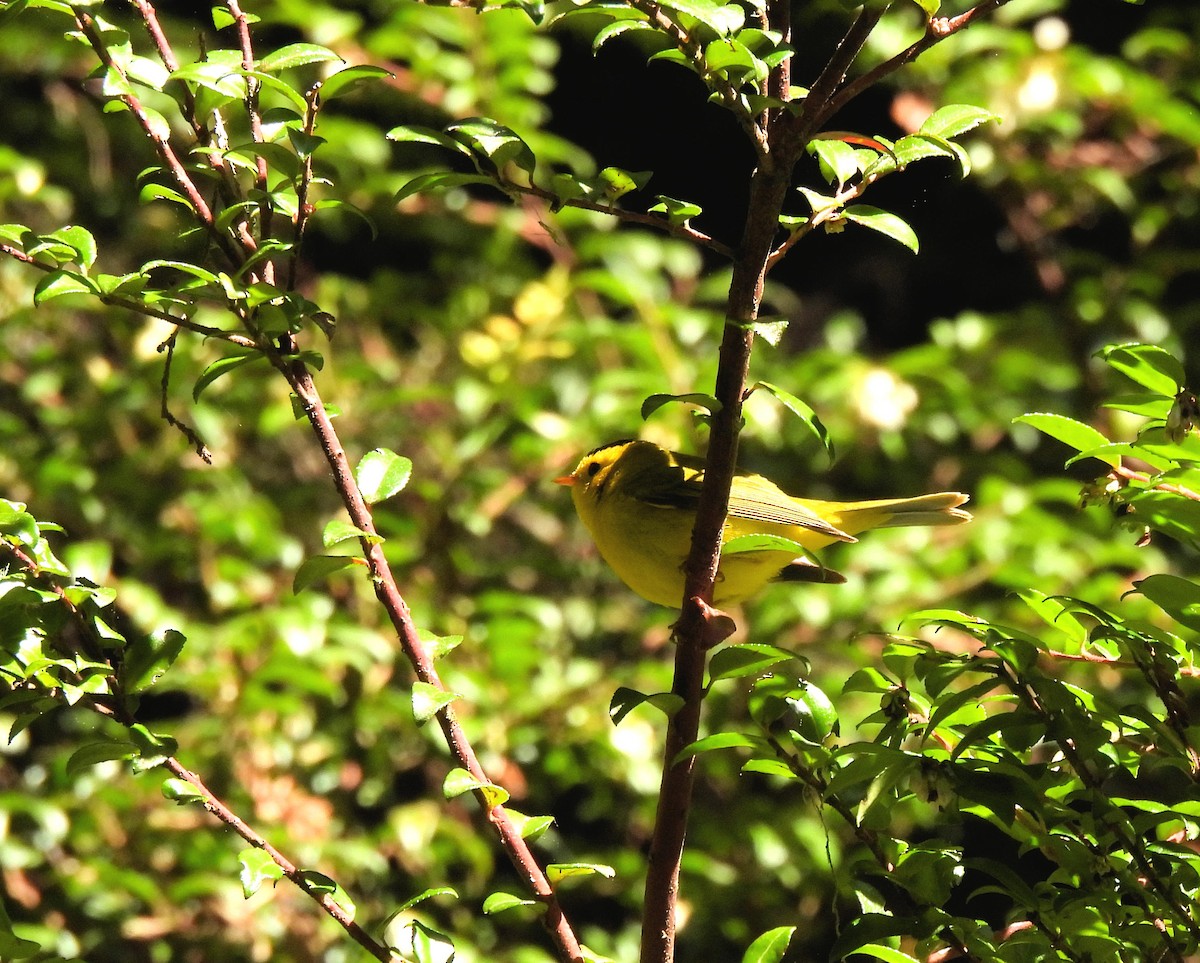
{"x":388,"y":593}
{"x":937,"y":30}
{"x":161,"y":142}
{"x":115,"y":710}
{"x":254,"y":114}
{"x":621,"y":214}
{"x":831,"y":77}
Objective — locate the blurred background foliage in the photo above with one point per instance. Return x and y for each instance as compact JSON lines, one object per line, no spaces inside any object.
{"x":492,"y":343}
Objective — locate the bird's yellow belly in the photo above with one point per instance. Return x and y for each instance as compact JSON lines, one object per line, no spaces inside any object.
{"x":646,"y":546}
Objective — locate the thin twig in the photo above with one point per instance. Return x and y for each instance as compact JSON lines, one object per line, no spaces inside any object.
{"x":231,"y":819}
{"x":253,"y":86}
{"x":165,"y":386}
{"x":115,"y":709}
{"x":805,"y":124}
{"x":167,"y":55}
{"x":1131,"y":475}
{"x":630,"y":217}
{"x":313,"y":98}
{"x":768,"y":188}
{"x":825,"y":214}
{"x":129,"y":304}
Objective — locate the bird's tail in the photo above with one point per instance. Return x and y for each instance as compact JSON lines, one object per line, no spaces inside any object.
{"x":940,"y":508}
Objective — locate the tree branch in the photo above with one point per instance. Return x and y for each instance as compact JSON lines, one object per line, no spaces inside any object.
{"x":161,"y":142}
{"x":937,"y":30}
{"x":768,"y":189}
{"x":386,"y":590}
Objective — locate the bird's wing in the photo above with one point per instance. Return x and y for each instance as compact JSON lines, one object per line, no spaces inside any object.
{"x":758,"y":500}
{"x":676,"y":484}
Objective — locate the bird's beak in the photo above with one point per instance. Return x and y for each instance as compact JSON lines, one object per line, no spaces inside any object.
{"x":565,"y":480}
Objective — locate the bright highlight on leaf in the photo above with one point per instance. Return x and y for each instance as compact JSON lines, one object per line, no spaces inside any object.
{"x":257,"y":868}
{"x":382,"y":473}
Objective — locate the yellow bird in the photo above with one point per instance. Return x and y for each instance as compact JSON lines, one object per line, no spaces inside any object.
{"x":639,"y":503}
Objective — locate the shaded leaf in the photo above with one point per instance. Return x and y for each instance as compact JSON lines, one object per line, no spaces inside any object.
{"x":884,"y":222}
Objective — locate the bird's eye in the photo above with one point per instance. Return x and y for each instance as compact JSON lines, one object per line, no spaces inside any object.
{"x":592,"y":468}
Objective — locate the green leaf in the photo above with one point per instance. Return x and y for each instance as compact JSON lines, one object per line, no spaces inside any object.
{"x":769,"y":767}
{"x":296,"y":55}
{"x":625,"y":700}
{"x":1148,"y":365}
{"x":317,"y":568}
{"x":337,"y":531}
{"x":769,"y":329}
{"x":459,"y":781}
{"x":439,"y":179}
{"x":733,"y":59}
{"x":863,"y":932}
{"x":428,"y":700}
{"x":749,"y":658}
{"x":153,"y":749}
{"x":344,"y":80}
{"x":257,"y":868}
{"x":59,"y":283}
{"x":415,"y":134}
{"x":438,"y":646}
{"x":17,"y":523}
{"x":97,"y":752}
{"x":499,"y":902}
{"x":1074,"y":434}
{"x":530,"y":827}
{"x":1178,"y":597}
{"x":678,"y":212}
{"x":322,"y":884}
{"x":13,"y":947}
{"x":181,"y":791}
{"x":838,"y":160}
{"x":884,"y":222}
{"x":146,"y":659}
{"x":81,"y":240}
{"x":719,"y":740}
{"x":804,"y":711}
{"x":615,"y":29}
{"x":305,"y":145}
{"x":221,"y":367}
{"x":802,"y":411}
{"x":615,"y":182}
{"x":929,"y":6}
{"x":770,"y":947}
{"x":381,"y":473}
{"x":499,"y":144}
{"x":954,"y":119}
{"x":700,"y":400}
{"x":886,"y":953}
{"x":184,"y":267}
{"x":1054,"y":613}
{"x":427,"y":894}
{"x":556,"y":872}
